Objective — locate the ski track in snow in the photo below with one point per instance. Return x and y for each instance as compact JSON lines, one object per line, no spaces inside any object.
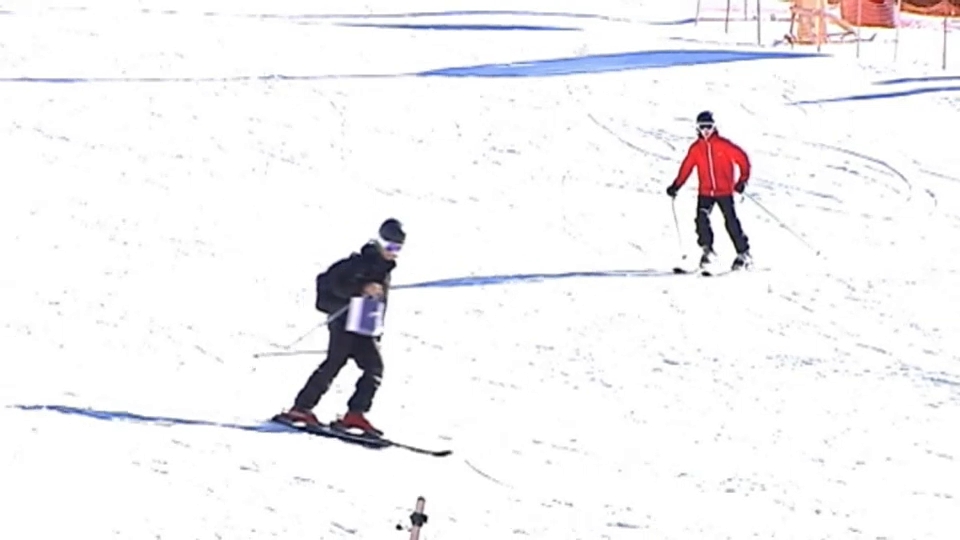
{"x":173,"y":199}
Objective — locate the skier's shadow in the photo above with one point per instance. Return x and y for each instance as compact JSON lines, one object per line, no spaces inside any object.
{"x":272,"y":427}
{"x":506,"y":279}
{"x":124,"y":416}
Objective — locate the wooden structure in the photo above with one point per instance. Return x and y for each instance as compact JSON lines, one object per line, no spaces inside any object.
{"x":810,"y":23}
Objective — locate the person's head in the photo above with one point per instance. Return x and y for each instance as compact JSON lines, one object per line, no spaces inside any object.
{"x":706,"y":126}
{"x":391,"y":238}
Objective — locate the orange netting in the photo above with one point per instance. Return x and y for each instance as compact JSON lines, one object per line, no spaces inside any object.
{"x":874,"y":13}
{"x":939,"y":8}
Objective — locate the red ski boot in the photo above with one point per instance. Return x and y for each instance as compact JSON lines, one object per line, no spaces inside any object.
{"x":356,"y":420}
{"x":300,"y":416}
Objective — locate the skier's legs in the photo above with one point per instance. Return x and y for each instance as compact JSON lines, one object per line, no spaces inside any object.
{"x":704,"y":232}
{"x":369,"y":360}
{"x":740,"y":241}
{"x":339,"y":350}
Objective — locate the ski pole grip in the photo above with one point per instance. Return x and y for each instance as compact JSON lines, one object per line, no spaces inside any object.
{"x":417,"y":519}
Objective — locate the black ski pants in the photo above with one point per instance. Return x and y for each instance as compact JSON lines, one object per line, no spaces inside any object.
{"x":343,"y":345}
{"x":705,"y":233}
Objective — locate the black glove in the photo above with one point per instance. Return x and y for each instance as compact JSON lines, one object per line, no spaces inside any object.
{"x":672,"y":190}
{"x":741,"y":185}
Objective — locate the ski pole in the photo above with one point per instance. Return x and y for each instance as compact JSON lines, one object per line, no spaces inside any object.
{"x":676,"y":224}
{"x":781,"y":223}
{"x":417,"y":519}
{"x":329,"y":320}
{"x":288,"y":353}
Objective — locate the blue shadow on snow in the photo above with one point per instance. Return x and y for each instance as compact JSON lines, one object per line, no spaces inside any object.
{"x":464,"y":27}
{"x":679,"y":22}
{"x":113,"y":416}
{"x":506,"y":279}
{"x":906,"y":80}
{"x":191,"y":80}
{"x":884,"y":95}
{"x":601,"y":63}
{"x":417,"y":14}
{"x":476,"y":12}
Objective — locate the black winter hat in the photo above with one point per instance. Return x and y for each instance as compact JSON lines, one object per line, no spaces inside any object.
{"x":392,"y":231}
{"x":705,"y":117}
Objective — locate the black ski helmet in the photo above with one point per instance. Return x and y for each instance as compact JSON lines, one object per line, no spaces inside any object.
{"x":705,"y":118}
{"x":392,"y":231}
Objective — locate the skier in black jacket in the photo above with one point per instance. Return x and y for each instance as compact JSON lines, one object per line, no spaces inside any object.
{"x":366,"y":273}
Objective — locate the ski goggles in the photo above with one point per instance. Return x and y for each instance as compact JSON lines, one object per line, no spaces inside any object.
{"x":706,"y":127}
{"x":391,"y":247}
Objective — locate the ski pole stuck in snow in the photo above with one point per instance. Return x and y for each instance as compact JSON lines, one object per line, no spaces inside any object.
{"x":417,"y":519}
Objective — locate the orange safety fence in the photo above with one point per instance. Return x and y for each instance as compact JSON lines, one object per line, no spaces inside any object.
{"x":937,"y":8}
{"x":885,"y":13}
{"x":872,"y":13}
{"x":820,"y":22}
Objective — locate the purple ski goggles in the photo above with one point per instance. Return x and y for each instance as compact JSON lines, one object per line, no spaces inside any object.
{"x":391,"y":247}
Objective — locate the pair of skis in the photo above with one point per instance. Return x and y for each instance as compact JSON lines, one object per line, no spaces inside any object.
{"x":361,"y":439}
{"x":705,"y":272}
{"x":702,"y":271}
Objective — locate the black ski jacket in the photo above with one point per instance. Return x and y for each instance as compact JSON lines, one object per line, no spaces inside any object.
{"x":346,"y":278}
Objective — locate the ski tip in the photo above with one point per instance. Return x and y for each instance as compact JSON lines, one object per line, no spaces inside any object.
{"x":418,"y":450}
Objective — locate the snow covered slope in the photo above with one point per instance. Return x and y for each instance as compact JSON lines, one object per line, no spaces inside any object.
{"x":175,"y":173}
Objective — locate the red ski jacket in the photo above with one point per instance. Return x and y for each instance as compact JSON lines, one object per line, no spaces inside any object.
{"x":714,"y":159}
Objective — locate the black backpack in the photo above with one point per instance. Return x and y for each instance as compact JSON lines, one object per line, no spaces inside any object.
{"x":327,"y":302}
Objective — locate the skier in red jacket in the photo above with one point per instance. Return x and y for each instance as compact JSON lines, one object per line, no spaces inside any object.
{"x":714,"y":157}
